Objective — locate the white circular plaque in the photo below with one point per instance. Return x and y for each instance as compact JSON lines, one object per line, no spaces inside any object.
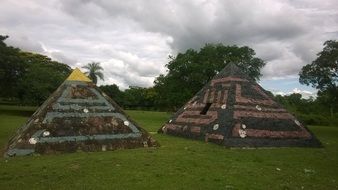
{"x":32,"y":141}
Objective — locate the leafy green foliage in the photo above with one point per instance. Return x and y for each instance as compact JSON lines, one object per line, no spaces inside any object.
{"x":188,"y":72}
{"x":28,"y":77}
{"x":310,"y":111}
{"x":138,"y":97}
{"x":132,"y":98}
{"x":94,"y":70}
{"x":11,"y":69}
{"x":113,"y":92}
{"x":322,"y":74}
{"x":42,"y":77}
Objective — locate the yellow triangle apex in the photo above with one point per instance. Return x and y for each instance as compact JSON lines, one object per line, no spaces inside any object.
{"x":77,"y":75}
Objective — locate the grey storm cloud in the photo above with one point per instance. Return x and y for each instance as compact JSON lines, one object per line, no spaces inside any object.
{"x":132,"y":39}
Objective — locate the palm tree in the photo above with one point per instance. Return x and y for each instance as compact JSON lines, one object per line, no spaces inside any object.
{"x":94,"y":70}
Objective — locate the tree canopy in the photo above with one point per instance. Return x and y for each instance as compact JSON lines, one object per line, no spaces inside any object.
{"x":113,"y":92}
{"x":188,"y":72}
{"x":11,"y":69}
{"x":28,"y":77}
{"x":322,"y":74}
{"x":41,"y":78}
{"x":134,"y":97}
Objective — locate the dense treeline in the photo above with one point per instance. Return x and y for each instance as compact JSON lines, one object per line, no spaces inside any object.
{"x":132,"y":98}
{"x":311,"y":111}
{"x":28,"y":79}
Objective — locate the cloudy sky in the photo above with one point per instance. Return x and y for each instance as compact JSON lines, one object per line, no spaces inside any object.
{"x":132,"y":39}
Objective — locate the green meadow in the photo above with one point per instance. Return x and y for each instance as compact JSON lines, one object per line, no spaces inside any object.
{"x":178,"y":164}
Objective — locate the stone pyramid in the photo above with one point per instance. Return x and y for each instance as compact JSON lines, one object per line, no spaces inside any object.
{"x":78,"y":116}
{"x":234,"y":111}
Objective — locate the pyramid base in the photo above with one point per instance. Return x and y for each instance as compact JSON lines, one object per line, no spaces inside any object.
{"x":251,"y":142}
{"x":84,"y":146}
{"x":256,"y":143}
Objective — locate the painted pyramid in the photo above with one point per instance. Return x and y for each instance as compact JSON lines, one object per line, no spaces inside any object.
{"x":234,"y":111}
{"x":78,"y":116}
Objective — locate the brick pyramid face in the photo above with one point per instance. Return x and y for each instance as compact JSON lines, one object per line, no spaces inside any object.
{"x":233,"y":110}
{"x":78,"y":116}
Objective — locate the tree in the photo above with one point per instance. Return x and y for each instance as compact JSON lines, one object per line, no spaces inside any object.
{"x":328,"y":98}
{"x":133,"y":98}
{"x":28,"y":77}
{"x":11,"y":69}
{"x":139,"y":97}
{"x":41,"y":78}
{"x":310,"y":111}
{"x":94,"y":71}
{"x":114,"y":92}
{"x":188,"y":72}
{"x":322,"y":74}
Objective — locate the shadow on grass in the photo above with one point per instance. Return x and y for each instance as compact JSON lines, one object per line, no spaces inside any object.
{"x":23,"y":113}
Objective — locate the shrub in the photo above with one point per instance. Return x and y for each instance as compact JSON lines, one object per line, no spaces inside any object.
{"x":313,"y":119}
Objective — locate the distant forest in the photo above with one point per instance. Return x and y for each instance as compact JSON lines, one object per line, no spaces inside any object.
{"x":29,"y":78}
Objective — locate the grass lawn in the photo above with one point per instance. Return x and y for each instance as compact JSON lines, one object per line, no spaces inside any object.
{"x":177,"y":164}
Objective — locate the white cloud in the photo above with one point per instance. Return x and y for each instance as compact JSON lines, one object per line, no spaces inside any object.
{"x":133,"y":39}
{"x":305,"y":93}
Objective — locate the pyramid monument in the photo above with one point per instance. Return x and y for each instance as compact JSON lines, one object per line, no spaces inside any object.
{"x":78,"y":116}
{"x":234,"y":111}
